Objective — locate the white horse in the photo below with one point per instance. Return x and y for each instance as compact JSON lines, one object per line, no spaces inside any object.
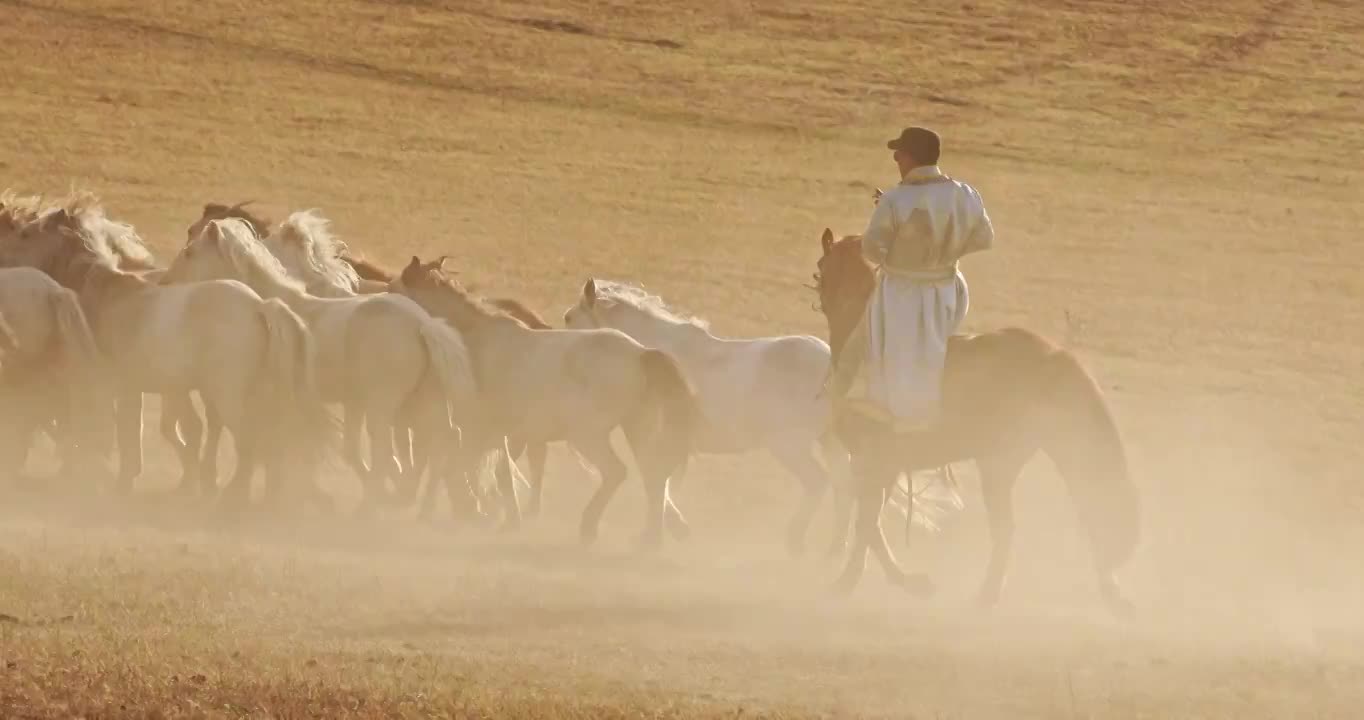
{"x":379,"y":356}
{"x":52,"y":366}
{"x":249,"y":359}
{"x":22,"y":214}
{"x":576,"y":386}
{"x":755,"y":393}
{"x":309,"y":251}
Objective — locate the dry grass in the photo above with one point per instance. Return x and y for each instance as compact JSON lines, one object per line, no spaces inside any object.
{"x":1176,"y":189}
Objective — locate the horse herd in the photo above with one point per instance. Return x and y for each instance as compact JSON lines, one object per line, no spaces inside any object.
{"x":274,"y":326}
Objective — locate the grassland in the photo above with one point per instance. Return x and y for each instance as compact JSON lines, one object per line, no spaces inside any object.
{"x":1176,"y":189}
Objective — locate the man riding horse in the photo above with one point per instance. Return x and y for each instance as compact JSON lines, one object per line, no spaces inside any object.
{"x":892,"y":371}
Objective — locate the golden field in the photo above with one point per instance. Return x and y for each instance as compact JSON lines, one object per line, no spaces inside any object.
{"x":1176,"y":194}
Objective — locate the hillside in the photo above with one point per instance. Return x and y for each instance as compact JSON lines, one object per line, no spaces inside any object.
{"x":1176,"y":191}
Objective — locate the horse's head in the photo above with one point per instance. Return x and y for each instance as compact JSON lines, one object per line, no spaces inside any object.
{"x":202,"y":257}
{"x":426,"y":282}
{"x":844,"y":280}
{"x":217,"y":211}
{"x":583,"y":313}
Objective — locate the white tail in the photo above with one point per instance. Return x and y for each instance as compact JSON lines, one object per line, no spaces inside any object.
{"x":448,"y":358}
{"x":88,"y":398}
{"x":291,"y":417}
{"x":80,"y":352}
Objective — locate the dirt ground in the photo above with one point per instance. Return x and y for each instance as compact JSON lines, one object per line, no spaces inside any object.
{"x":1176,"y":194}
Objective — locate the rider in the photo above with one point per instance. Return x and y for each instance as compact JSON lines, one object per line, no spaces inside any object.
{"x":917,"y":233}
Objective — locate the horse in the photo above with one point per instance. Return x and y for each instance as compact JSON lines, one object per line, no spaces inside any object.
{"x":51,"y":363}
{"x":576,"y":386}
{"x":378,"y":356}
{"x":307,"y":248}
{"x":25,"y":217}
{"x":310,"y":253}
{"x":1008,"y":394}
{"x":753,"y":393}
{"x":250,"y":359}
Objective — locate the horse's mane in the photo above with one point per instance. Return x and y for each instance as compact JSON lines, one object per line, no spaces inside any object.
{"x":515,"y":309}
{"x":846,"y":245}
{"x":640,"y":299}
{"x":82,"y":256}
{"x":239,"y":247}
{"x":259,"y":223}
{"x":306,"y":237}
{"x":17,"y":211}
{"x":367,"y":269}
{"x":119,"y":238}
{"x":431,"y":275}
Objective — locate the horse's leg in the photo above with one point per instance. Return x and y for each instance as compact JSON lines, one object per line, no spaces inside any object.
{"x":506,"y":487}
{"x":384,"y":465}
{"x":178,"y":415}
{"x":875,"y":467}
{"x":916,"y":583}
{"x":352,"y":424}
{"x":237,"y":493}
{"x":839,"y":472}
{"x":997,"y":478}
{"x":600,"y":454}
{"x":673,"y":520}
{"x":438,"y":466}
{"x":129,"y":404}
{"x":213,"y":435}
{"x":536,"y":454}
{"x":409,"y":453}
{"x":459,"y":462}
{"x":799,"y":460}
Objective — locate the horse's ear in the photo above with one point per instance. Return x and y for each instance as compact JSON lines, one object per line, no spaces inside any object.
{"x":590,"y":292}
{"x":415,"y":265}
{"x":827,"y":240}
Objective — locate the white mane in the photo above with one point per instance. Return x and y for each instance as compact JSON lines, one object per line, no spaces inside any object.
{"x":118,"y":237}
{"x":640,"y":299}
{"x":248,"y":257}
{"x":304,"y":243}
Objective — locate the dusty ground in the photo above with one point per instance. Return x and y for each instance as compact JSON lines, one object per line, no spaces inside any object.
{"x":1177,"y":196}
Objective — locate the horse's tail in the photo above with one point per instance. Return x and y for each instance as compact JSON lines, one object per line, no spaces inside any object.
{"x":449,"y":360}
{"x":79,"y":350}
{"x":1087,"y":449}
{"x":667,"y":390}
{"x":87,"y":396}
{"x":8,"y":344}
{"x":292,"y":422}
{"x":451,"y":365}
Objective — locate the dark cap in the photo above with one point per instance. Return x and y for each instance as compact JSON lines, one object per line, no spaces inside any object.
{"x":922,"y":143}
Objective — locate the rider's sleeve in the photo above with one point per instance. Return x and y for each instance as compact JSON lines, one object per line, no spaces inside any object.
{"x":880,"y":232}
{"x":983,"y":234}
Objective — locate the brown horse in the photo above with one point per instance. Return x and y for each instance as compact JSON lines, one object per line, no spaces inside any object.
{"x":1007,"y":395}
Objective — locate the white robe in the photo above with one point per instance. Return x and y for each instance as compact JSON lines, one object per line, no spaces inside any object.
{"x":919,"y":231}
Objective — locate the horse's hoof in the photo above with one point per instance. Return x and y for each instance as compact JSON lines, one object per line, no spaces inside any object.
{"x":587,"y":536}
{"x":916,"y":584}
{"x":532,"y":509}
